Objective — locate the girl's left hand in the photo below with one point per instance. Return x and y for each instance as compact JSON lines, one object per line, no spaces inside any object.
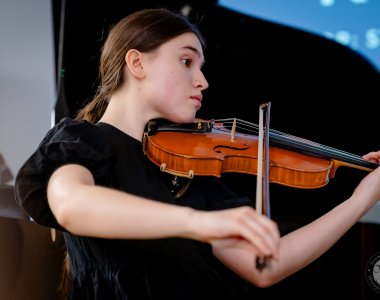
{"x":373,"y":156}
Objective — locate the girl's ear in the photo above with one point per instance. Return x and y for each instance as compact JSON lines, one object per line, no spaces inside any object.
{"x":134,"y":64}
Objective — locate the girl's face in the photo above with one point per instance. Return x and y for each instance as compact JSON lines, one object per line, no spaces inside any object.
{"x":174,"y":81}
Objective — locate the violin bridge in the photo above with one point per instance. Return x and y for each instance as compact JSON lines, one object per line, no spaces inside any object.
{"x":233,"y":130}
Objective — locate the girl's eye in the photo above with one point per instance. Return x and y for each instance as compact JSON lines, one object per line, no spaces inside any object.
{"x":187,"y":61}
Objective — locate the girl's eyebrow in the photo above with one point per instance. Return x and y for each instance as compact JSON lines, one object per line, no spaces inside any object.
{"x":195,"y":50}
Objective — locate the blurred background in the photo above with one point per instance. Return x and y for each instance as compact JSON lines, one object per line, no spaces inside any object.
{"x":316,"y":61}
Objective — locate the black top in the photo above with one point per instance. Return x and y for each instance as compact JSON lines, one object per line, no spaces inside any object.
{"x":171,"y":268}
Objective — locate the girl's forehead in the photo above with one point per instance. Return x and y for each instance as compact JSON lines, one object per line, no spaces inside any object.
{"x":186,"y":41}
{"x":185,"y":38}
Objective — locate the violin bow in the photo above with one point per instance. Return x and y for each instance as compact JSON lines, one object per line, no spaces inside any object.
{"x":262,"y":184}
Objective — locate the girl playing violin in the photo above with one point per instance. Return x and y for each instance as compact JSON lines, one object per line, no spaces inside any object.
{"x":128,"y":236}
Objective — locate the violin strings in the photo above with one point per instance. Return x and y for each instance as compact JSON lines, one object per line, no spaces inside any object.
{"x":287,"y":137}
{"x":245,"y":126}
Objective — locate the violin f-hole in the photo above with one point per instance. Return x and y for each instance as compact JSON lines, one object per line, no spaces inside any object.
{"x":218,"y":147}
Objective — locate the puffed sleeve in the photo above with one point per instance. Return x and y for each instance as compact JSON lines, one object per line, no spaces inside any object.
{"x":69,"y":142}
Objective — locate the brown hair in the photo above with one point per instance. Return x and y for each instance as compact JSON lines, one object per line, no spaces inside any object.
{"x":64,"y":287}
{"x":145,"y":31}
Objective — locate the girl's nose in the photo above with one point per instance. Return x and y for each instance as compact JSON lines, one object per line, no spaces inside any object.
{"x":201,"y":81}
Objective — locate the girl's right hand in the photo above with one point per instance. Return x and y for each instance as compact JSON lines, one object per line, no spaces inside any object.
{"x":240,"y":227}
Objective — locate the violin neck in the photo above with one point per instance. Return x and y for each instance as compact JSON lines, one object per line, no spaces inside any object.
{"x":318,"y":150}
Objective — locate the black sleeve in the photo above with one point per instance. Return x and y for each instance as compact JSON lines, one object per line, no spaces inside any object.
{"x":69,"y":142}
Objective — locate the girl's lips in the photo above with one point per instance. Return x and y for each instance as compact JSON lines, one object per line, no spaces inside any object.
{"x":198,"y":97}
{"x":198,"y":100}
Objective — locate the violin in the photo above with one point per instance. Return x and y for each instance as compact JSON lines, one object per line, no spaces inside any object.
{"x":214,"y":147}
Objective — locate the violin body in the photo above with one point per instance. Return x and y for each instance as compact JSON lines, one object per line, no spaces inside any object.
{"x":214,"y":153}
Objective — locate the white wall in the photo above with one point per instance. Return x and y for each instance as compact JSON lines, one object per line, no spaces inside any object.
{"x":27,"y":77}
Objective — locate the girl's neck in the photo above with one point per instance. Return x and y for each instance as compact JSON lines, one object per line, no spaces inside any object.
{"x":120,"y":116}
